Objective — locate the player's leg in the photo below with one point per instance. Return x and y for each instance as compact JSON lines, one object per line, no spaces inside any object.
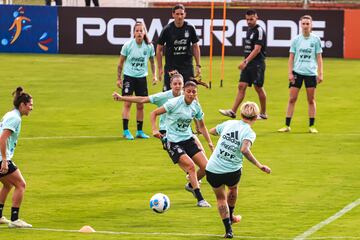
{"x":17,"y":180}
{"x":127,"y":90}
{"x":140,"y":90}
{"x":294,"y":89}
{"x":244,"y":81}
{"x":259,"y":73}
{"x":6,"y":188}
{"x":217,"y":184}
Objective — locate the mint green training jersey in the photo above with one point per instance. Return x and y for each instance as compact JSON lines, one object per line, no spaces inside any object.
{"x":137,"y":57}
{"x":179,"y":115}
{"x":227,"y":156}
{"x":159,"y":99}
{"x":12,"y":122}
{"x":305,"y":50}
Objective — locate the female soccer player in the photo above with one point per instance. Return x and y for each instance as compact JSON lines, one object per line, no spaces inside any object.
{"x":181,"y":146}
{"x":135,"y":54}
{"x":225,"y":164}
{"x":10,"y":175}
{"x":305,"y":65}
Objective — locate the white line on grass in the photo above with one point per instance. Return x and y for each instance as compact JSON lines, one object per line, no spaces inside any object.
{"x":119,"y":136}
{"x":176,"y":234}
{"x":337,"y":215}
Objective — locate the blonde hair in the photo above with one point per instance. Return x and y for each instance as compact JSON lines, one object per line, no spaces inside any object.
{"x":306,"y":17}
{"x":249,"y":110}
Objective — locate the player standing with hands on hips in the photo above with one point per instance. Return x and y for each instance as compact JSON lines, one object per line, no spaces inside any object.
{"x":305,"y":65}
{"x":225,"y":164}
{"x":135,"y":54}
{"x":253,"y":66}
{"x":10,"y":175}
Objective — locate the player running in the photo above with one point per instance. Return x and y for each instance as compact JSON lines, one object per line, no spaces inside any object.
{"x":181,"y":146}
{"x":225,"y":164}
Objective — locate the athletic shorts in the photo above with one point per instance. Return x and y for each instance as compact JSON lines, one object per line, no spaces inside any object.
{"x":187,"y":74}
{"x":254,"y":73}
{"x":131,"y":84}
{"x":310,"y":81}
{"x":175,"y":150}
{"x":228,"y":179}
{"x":12,"y":168}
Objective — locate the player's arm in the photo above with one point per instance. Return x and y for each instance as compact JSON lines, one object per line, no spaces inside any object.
{"x":245,"y":150}
{"x":213,"y":131}
{"x":252,"y":55}
{"x":291,"y":67}
{"x":153,"y":70}
{"x":3,"y":139}
{"x":119,"y":71}
{"x":153,"y":116}
{"x":159,"y":55}
{"x":133,"y":99}
{"x":204,"y":131}
{"x":197,"y":54}
{"x":320,"y":67}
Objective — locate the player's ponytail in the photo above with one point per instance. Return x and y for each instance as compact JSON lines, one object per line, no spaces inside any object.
{"x":20,"y":97}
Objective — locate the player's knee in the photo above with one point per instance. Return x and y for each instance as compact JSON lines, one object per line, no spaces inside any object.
{"x":140,"y":106}
{"x":292,"y":99}
{"x":311,"y":101}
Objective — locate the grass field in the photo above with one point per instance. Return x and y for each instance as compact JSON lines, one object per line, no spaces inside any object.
{"x":106,"y":181}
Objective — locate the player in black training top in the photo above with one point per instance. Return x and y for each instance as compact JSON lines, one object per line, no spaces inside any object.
{"x":253,"y":66}
{"x":181,"y":44}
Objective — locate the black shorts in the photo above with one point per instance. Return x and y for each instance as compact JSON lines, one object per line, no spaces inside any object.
{"x":131,"y":84}
{"x":228,"y":179}
{"x":254,"y":73}
{"x":187,"y":74}
{"x":310,"y":81}
{"x":12,"y":168}
{"x":175,"y":150}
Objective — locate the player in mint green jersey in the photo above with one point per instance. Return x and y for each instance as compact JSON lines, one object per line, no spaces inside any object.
{"x":10,"y":175}
{"x":134,"y":58}
{"x":181,"y":146}
{"x":225,"y":164}
{"x":305,"y":65}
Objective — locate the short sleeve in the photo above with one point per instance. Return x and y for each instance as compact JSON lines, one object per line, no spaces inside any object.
{"x":318,"y":48}
{"x":124,"y":49}
{"x":251,"y":136}
{"x":194,"y":37}
{"x":260,"y":37}
{"x":155,"y":98}
{"x":199,"y":115}
{"x":170,"y":105}
{"x":152,"y":50}
{"x":293,"y":46}
{"x":162,"y":38}
{"x":220,"y":127}
{"x":11,"y":123}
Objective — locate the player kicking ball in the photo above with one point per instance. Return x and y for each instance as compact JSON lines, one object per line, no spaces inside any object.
{"x":225,"y":164}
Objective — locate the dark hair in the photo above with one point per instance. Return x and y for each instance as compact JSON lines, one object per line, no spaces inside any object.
{"x":190,"y":84}
{"x":251,"y":12}
{"x":20,"y":97}
{"x":145,"y":35}
{"x":178,"y":6}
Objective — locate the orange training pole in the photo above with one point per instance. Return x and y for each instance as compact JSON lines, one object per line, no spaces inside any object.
{"x":211,"y":42}
{"x":223,"y":45}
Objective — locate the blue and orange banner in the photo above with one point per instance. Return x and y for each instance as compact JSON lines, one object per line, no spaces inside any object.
{"x":28,"y":29}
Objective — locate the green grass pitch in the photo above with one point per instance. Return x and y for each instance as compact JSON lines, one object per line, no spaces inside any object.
{"x":106,"y":182}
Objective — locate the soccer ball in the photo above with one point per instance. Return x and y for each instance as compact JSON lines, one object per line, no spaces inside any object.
{"x":159,"y":203}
